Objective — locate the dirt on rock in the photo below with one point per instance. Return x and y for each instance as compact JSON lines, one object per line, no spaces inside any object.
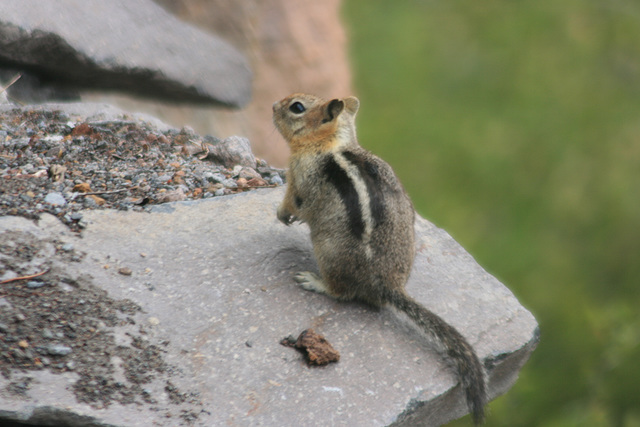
{"x":53,"y":320}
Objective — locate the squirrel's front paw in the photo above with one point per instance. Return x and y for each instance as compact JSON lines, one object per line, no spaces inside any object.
{"x":286,"y":217}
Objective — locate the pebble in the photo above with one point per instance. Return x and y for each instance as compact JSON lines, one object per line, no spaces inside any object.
{"x":236,"y":170}
{"x":230,"y":183}
{"x":90,"y":203}
{"x":55,"y":199}
{"x":125,"y":271}
{"x":214,"y":177}
{"x":58,"y":350}
{"x":248,"y":173}
{"x":35,"y":284}
{"x":67,"y":247}
{"x":276,"y":180}
{"x":19,"y":354}
{"x":66,"y":287}
{"x":46,"y":333}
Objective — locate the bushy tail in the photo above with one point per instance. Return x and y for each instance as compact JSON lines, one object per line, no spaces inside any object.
{"x":454,"y":345}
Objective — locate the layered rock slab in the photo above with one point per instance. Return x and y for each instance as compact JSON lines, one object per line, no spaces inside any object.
{"x":214,"y":280}
{"x":132,"y":46}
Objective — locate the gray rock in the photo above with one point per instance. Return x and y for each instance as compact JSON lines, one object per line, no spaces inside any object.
{"x":215,"y":177}
{"x":275,"y":180}
{"x":248,"y":173}
{"x":230,"y":152}
{"x":55,"y":199}
{"x":89,"y":202}
{"x":164,"y":178}
{"x":132,"y":46}
{"x":171,"y":196}
{"x":35,"y":284}
{"x":58,"y":350}
{"x":230,"y":183}
{"x":222,"y":271}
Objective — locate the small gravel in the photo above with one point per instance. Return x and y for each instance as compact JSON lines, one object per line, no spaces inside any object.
{"x":50,"y":163}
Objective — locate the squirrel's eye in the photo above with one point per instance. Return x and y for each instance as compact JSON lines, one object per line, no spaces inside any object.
{"x":297,"y":108}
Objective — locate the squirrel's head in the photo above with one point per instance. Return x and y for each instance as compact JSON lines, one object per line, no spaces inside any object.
{"x":310,"y":122}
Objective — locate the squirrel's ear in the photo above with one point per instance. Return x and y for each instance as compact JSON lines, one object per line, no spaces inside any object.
{"x":351,"y":105}
{"x":334,"y":108}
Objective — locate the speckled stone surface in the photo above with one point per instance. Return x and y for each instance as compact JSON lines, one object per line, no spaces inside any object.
{"x":214,"y":279}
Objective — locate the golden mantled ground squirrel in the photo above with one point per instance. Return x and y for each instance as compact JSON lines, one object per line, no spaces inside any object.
{"x":361,"y":223}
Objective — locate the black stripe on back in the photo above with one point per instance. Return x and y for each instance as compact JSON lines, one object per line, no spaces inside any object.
{"x":340,"y":180}
{"x":371,"y":176}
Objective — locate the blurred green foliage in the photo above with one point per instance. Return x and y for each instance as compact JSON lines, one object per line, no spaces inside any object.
{"x":515,"y":126}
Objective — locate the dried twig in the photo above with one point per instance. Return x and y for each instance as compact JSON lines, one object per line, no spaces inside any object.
{"x":15,"y":79}
{"x":95,"y":193}
{"x":205,"y":148}
{"x":257,"y":186}
{"x":24,"y":277}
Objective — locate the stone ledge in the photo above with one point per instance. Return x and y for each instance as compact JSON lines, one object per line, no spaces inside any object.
{"x":223,"y":297}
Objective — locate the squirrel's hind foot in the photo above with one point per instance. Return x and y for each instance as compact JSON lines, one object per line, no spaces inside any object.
{"x":311,"y":282}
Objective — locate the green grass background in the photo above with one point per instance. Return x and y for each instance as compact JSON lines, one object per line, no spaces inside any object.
{"x":515,"y":126}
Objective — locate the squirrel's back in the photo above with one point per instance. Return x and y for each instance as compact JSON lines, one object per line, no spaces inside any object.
{"x":374,"y":247}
